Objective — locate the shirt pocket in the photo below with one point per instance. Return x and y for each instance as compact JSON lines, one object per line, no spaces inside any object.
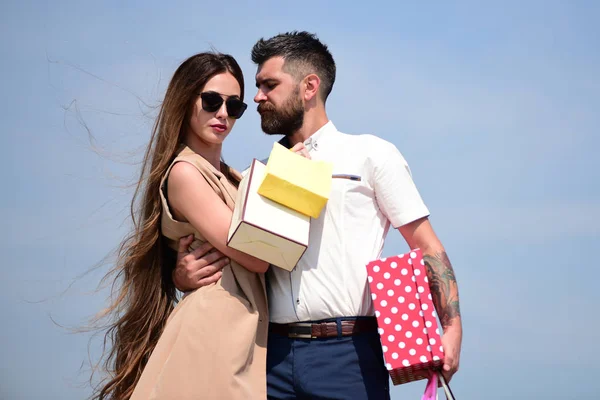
{"x":351,"y":188}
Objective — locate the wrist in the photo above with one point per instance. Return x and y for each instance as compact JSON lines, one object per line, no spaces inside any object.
{"x":178,"y":284}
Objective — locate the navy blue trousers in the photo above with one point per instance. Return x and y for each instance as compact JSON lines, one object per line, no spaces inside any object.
{"x":349,"y":367}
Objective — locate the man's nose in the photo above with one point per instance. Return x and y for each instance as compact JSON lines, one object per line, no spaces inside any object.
{"x":260,"y":96}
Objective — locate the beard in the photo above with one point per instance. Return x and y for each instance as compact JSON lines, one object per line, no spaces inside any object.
{"x":284,"y":121}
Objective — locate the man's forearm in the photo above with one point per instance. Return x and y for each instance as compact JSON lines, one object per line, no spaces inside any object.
{"x":444,"y":288}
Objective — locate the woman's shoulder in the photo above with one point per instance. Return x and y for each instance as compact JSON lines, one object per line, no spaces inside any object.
{"x":194,"y":161}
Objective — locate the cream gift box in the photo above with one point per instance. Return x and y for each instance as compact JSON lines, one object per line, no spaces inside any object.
{"x":264,"y":228}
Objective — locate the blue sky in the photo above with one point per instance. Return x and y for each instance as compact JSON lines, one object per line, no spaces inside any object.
{"x":494,"y":106}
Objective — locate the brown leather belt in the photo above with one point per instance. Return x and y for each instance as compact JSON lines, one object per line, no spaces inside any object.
{"x":314,"y":330}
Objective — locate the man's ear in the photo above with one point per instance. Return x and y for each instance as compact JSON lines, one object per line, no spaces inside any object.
{"x":312,"y":83}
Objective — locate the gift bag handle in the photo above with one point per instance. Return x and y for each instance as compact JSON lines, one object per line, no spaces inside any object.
{"x":446,"y":386}
{"x":432,"y":386}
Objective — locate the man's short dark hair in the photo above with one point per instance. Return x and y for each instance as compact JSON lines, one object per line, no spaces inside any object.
{"x":303,"y":54}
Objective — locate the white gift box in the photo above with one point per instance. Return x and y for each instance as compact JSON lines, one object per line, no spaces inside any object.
{"x":265,"y":229}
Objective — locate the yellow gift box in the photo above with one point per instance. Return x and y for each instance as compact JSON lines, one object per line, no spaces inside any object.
{"x":296,"y":182}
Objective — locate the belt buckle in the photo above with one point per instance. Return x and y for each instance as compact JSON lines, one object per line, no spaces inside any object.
{"x":295,"y":335}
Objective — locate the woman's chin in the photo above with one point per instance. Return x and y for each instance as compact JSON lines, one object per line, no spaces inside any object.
{"x":215,"y":138}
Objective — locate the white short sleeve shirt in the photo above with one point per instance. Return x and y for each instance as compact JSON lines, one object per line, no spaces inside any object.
{"x":372,"y":188}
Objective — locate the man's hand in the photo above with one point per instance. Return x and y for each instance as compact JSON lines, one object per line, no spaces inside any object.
{"x":199,"y":268}
{"x":451,"y":341}
{"x":300,"y":149}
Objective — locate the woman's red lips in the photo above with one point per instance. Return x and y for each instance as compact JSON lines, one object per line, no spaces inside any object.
{"x":219,"y":127}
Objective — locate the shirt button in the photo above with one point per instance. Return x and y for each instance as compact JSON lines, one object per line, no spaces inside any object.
{"x":297,"y":301}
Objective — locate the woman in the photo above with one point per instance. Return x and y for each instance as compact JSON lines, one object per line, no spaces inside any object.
{"x":213,"y":344}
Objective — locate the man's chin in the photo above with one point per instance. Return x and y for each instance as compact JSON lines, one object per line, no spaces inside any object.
{"x":267,"y":129}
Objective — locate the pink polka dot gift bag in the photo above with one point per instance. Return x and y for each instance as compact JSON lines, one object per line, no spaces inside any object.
{"x":407,"y":320}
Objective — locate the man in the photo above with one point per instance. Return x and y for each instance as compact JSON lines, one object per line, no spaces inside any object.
{"x":323,"y":340}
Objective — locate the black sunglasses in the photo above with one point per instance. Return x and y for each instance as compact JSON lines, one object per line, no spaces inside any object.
{"x":212,"y":101}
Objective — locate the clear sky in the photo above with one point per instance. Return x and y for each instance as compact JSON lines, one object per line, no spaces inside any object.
{"x":495,"y":107}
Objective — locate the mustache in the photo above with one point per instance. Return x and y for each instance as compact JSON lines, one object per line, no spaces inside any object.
{"x":262,"y":107}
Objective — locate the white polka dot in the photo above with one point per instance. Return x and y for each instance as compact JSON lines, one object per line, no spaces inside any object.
{"x":380,"y":331}
{"x":408,"y":334}
{"x":410,"y":261}
{"x":401,"y":299}
{"x":387,"y":321}
{"x":422,"y":262}
{"x":421,"y":314}
{"x":429,"y":296}
{"x":398,"y":327}
{"x":384,"y":348}
{"x":386,"y":275}
{"x":402,"y":345}
{"x":424,"y":306}
{"x":415,"y":324}
{"x":441,"y":349}
{"x":405,"y":363}
{"x":432,"y":341}
{"x":401,"y":256}
{"x":426,"y":280}
{"x":404,"y":317}
{"x":376,"y":268}
{"x":395,"y":356}
{"x":417,"y":271}
{"x":428,"y":324}
{"x":388,"y":366}
{"x":413,"y":254}
{"x":383,"y":303}
{"x":428,"y":348}
{"x":390,"y":292}
{"x":407,"y":289}
{"x":417,"y":296}
{"x":423,"y":359}
{"x":394,"y":310}
{"x":397,"y":282}
{"x":394,"y":264}
{"x":412,"y":352}
{"x":435,"y":358}
{"x":377,"y":314}
{"x":391,"y":338}
{"x":412,"y":306}
{"x":419,"y":341}
{"x":437,"y":331}
{"x":404,"y":271}
{"x":383,"y":259}
{"x":373,"y":296}
{"x":380,"y":286}
{"x":414,"y":279}
{"x":434,"y":314}
{"x":421,"y":289}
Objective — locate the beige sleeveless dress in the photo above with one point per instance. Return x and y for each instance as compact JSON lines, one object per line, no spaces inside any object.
{"x":214,"y":343}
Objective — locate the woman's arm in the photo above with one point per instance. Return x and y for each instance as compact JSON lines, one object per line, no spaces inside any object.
{"x":193,"y":200}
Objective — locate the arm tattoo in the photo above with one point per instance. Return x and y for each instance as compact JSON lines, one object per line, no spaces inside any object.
{"x":444,"y":289}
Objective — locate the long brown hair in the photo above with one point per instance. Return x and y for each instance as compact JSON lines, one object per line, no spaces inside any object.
{"x":143,"y":292}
